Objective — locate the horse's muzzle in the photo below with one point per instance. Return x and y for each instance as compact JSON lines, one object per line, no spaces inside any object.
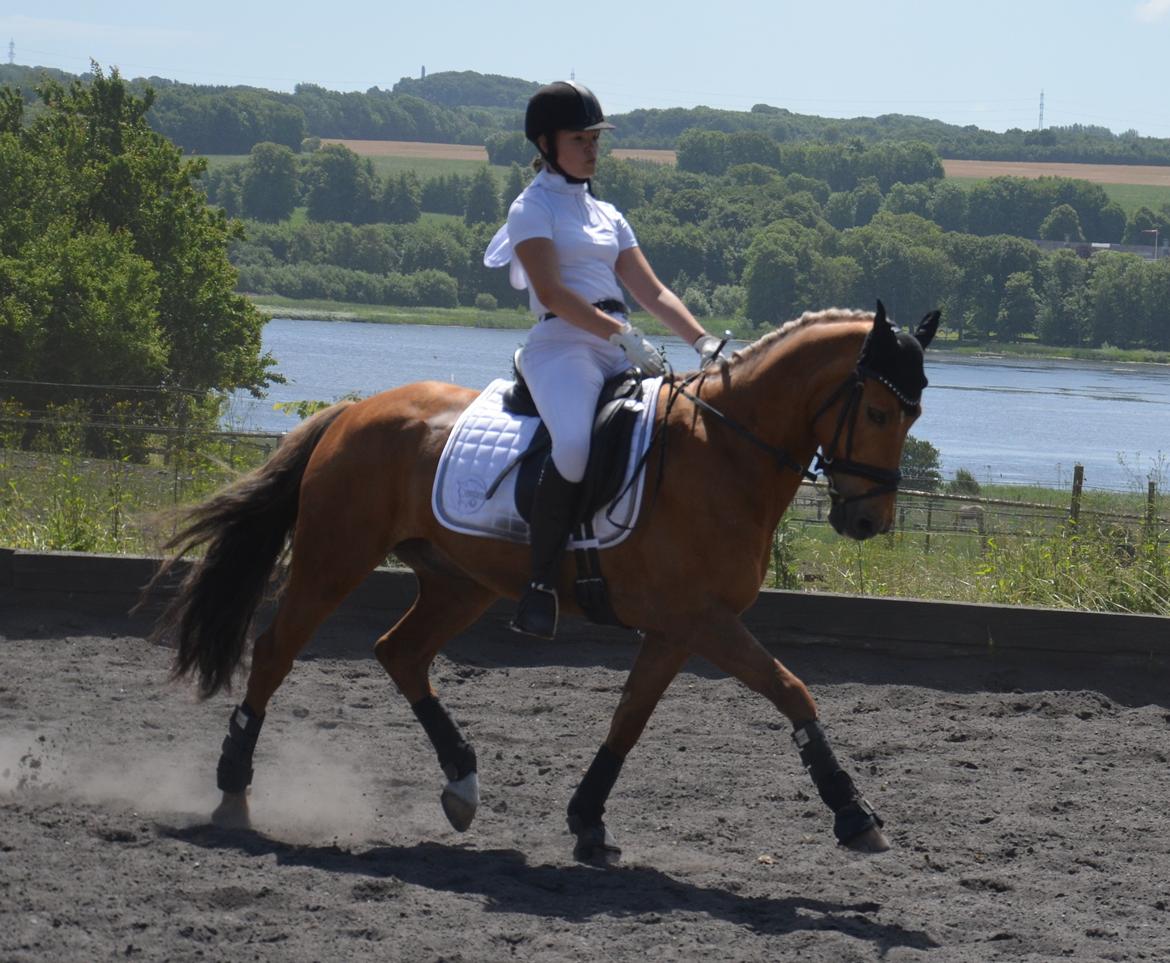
{"x":858,"y":520}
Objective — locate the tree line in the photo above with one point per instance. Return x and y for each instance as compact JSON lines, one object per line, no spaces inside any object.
{"x":465,"y":107}
{"x":760,"y":244}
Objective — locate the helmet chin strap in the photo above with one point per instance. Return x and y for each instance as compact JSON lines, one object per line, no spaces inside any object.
{"x":550,"y":159}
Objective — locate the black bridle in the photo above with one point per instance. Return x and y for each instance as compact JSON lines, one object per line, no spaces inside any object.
{"x":825,"y":461}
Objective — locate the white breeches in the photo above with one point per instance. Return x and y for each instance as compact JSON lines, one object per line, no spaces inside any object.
{"x":565,"y":368}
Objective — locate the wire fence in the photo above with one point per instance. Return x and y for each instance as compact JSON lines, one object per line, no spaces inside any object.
{"x":108,"y":479}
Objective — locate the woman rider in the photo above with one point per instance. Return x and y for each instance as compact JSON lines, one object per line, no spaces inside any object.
{"x":574,"y":249}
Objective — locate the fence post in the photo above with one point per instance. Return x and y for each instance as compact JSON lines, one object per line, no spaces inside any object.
{"x":1151,"y":513}
{"x":1074,"y":509}
{"x":929,"y":513}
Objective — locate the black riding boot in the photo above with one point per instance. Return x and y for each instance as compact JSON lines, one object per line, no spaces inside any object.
{"x":554,"y":511}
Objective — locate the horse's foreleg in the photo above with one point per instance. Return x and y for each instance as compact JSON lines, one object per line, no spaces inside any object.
{"x":445,"y":606}
{"x":731,"y":647}
{"x":656,"y":666}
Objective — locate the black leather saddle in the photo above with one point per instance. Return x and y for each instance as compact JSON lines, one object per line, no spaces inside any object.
{"x":618,"y":409}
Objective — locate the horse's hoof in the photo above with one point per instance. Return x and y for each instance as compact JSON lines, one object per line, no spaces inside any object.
{"x":460,"y":800}
{"x":873,"y":840}
{"x":596,"y":846}
{"x":232,"y":812}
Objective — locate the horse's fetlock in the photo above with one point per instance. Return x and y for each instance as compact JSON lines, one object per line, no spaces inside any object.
{"x":456,"y":756}
{"x":234,"y":771}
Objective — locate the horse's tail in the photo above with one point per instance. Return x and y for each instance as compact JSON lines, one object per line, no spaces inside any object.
{"x":244,"y":529}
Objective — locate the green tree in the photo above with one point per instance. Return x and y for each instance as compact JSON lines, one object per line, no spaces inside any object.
{"x":113,"y":264}
{"x":1018,"y":308}
{"x":270,"y":183}
{"x":514,"y":183}
{"x":402,"y":198}
{"x":483,"y":199}
{"x":920,"y":464}
{"x":342,"y":186}
{"x":1062,"y":224}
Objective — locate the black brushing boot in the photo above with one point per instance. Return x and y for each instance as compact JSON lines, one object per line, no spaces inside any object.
{"x":554,"y":512}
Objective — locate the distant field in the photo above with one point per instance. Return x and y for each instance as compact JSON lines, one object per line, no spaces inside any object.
{"x":1132,"y":186}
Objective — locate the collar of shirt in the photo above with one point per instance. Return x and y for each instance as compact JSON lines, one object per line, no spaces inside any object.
{"x":557,"y":184}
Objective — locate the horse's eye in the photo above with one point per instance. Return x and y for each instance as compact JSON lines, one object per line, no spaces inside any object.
{"x":876,"y":415}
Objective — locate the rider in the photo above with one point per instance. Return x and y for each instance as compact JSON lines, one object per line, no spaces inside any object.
{"x":574,"y":249}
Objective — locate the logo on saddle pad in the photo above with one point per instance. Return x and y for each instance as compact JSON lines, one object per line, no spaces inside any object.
{"x":482,"y":454}
{"x":470,"y":494}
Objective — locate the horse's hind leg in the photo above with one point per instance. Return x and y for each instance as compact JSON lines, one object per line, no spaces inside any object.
{"x":446,"y":605}
{"x":657,"y":664}
{"x":307,"y":601}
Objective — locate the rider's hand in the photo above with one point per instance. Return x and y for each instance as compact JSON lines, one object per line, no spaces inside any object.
{"x":709,"y":349}
{"x":642,"y":353}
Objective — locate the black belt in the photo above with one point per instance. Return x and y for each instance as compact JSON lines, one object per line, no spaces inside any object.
{"x":608,"y":305}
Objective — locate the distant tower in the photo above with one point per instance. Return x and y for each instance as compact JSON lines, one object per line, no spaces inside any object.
{"x":424,"y":72}
{"x":12,"y":51}
{"x":1041,"y":127}
{"x":572,"y":74}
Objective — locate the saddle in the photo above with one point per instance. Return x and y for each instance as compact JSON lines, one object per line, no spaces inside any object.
{"x":618,"y":409}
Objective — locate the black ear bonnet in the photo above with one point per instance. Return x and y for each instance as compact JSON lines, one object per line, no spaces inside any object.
{"x":897,"y":358}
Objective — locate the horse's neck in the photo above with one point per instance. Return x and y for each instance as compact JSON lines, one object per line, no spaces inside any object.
{"x":776,"y":395}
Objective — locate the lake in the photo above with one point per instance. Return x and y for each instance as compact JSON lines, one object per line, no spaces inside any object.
{"x":1004,"y":420}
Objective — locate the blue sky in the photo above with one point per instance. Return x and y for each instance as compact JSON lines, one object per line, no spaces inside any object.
{"x":1103,"y":62}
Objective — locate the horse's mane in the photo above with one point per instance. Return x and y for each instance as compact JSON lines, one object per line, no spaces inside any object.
{"x":762,"y":345}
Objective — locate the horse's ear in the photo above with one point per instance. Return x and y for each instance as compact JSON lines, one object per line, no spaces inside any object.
{"x":927,"y":328}
{"x":881,"y":341}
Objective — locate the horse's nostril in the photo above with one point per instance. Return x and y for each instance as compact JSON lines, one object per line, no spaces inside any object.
{"x":863,"y":526}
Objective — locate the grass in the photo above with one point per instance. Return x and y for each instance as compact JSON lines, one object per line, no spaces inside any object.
{"x":425,"y":167}
{"x":57,"y":497}
{"x":471,"y":317}
{"x":1128,"y":196}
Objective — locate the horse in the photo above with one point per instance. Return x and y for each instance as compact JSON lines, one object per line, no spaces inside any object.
{"x":352,"y":484}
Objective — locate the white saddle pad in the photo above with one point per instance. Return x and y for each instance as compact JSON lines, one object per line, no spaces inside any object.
{"x":487,"y":439}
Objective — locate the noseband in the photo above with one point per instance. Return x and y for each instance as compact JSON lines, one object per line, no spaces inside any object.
{"x":826,"y":462}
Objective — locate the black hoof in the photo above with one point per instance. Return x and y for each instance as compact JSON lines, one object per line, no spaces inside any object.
{"x":857,"y":826}
{"x":595,"y":845}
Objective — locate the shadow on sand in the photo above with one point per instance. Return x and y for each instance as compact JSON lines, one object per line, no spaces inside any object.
{"x":508,"y":884}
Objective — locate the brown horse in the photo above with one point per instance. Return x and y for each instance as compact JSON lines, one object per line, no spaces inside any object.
{"x":353,"y":484}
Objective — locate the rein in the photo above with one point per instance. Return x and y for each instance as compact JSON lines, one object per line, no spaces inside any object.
{"x":825,"y":464}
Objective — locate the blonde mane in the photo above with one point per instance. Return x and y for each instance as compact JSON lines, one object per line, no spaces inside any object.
{"x":762,"y":345}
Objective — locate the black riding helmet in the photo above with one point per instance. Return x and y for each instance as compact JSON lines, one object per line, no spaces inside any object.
{"x":562,"y":105}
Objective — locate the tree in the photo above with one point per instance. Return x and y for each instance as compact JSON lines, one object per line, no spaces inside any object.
{"x":509,"y":148}
{"x":270,"y":184}
{"x":483,"y":199}
{"x":342,"y":186}
{"x":402,"y":198}
{"x":920,"y":464}
{"x":1062,"y":224}
{"x":514,"y":183}
{"x":114,"y":266}
{"x":1018,"y":308}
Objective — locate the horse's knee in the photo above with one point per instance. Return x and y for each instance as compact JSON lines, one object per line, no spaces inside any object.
{"x":790,"y":695}
{"x":407,"y":670}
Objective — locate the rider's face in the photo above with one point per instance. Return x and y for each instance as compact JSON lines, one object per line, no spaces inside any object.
{"x":577,"y":152}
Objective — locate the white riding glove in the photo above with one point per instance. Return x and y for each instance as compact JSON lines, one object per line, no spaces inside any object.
{"x":709,"y":349}
{"x":642,"y":353}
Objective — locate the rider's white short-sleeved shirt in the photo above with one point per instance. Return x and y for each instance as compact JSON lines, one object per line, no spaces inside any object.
{"x":588,"y":235}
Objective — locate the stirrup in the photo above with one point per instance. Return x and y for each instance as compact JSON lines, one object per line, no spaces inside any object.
{"x":536,"y":614}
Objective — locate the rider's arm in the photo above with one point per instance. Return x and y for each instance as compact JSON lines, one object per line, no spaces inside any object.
{"x":539,"y":257}
{"x":634,"y":271}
